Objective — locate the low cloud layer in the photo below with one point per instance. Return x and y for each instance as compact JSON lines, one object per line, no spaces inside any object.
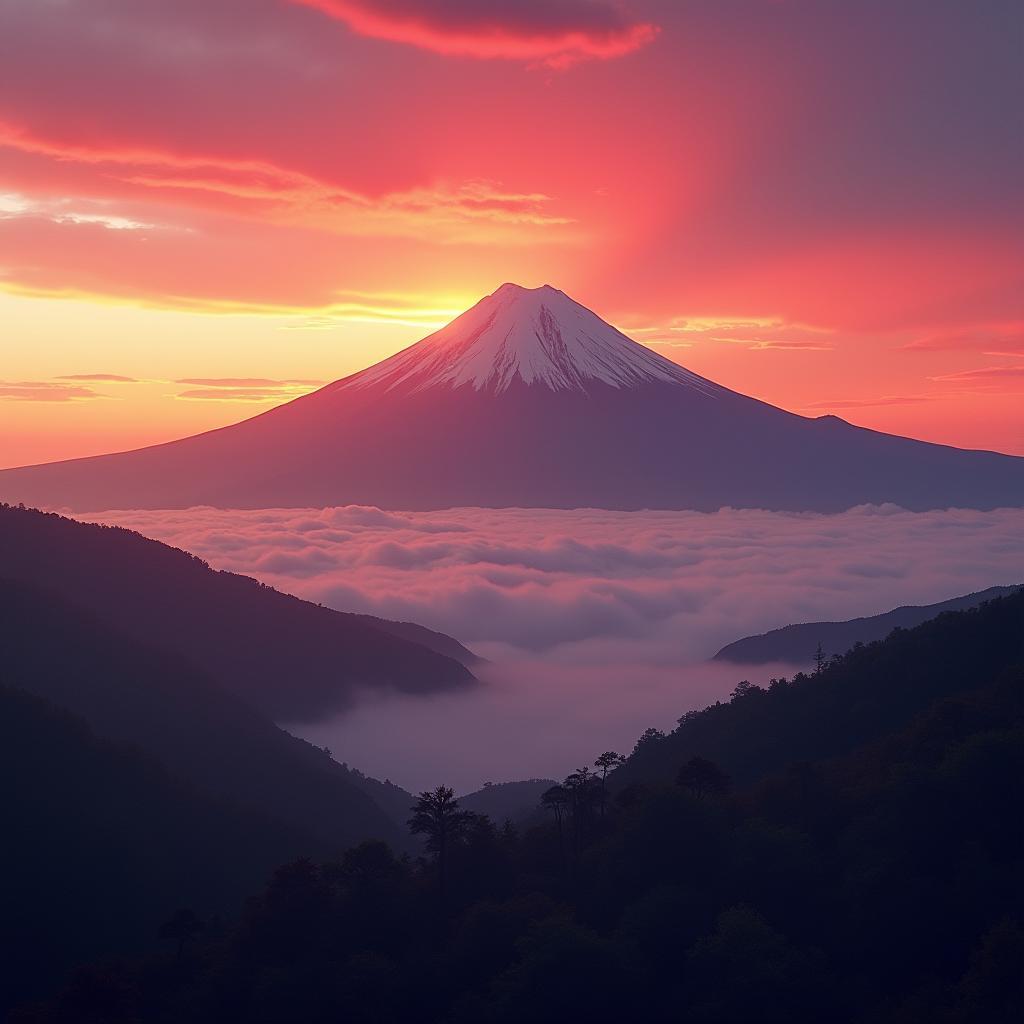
{"x":597,"y":623}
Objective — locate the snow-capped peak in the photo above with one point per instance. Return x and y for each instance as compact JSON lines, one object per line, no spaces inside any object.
{"x":538,"y":335}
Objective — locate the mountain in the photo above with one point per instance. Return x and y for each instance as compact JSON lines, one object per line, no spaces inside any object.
{"x":797,"y":644}
{"x":858,"y":698}
{"x":101,"y":846}
{"x":155,"y":700}
{"x":440,"y":643}
{"x":513,"y":801}
{"x":291,"y":659}
{"x":529,"y":399}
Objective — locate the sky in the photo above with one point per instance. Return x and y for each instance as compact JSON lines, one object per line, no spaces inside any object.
{"x":210,"y":206}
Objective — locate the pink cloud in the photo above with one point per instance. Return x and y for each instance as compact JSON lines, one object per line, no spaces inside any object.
{"x":113,"y":378}
{"x":44,"y":391}
{"x":992,"y":339}
{"x":556,"y":33}
{"x":870,"y":403}
{"x":984,"y":375}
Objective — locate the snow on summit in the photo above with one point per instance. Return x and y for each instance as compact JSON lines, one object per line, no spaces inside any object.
{"x":538,"y":335}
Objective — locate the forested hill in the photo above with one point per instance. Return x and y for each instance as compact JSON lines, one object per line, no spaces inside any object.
{"x":858,"y":697}
{"x":101,"y":846}
{"x":843,"y":848}
{"x":289,"y":658}
{"x":135,"y":693}
{"x":796,"y":644}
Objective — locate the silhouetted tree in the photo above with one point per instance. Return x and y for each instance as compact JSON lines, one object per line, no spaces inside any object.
{"x":703,"y":778}
{"x":647,"y":737}
{"x":182,"y":926}
{"x":606,"y":762}
{"x":556,"y":800}
{"x":436,"y":815}
{"x":819,"y":659}
{"x":582,"y":787}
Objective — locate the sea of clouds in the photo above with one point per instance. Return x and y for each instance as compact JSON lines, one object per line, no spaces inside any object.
{"x":596,"y":624}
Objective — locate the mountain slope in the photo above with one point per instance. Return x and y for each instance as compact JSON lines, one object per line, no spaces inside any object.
{"x":529,"y":399}
{"x":101,"y":846}
{"x":291,"y":659}
{"x":135,"y":693}
{"x":514,"y":801}
{"x":858,"y":698}
{"x":440,"y":643}
{"x":796,"y":644}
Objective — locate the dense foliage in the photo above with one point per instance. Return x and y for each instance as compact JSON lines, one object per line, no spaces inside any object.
{"x":844,"y":847}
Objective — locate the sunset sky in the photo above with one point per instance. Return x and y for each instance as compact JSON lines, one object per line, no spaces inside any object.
{"x":209,"y":206}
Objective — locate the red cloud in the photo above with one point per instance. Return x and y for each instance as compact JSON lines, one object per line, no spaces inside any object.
{"x":556,"y":33}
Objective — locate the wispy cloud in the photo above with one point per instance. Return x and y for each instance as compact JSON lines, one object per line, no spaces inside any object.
{"x":985,"y":375}
{"x":68,"y":211}
{"x":552,"y":33}
{"x":244,"y":389}
{"x":113,"y":378}
{"x":754,"y":334}
{"x":446,"y":211}
{"x":869,"y":403}
{"x":993,"y":339}
{"x":44,"y":391}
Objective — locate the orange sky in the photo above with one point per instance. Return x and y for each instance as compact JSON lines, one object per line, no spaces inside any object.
{"x":207,"y":206}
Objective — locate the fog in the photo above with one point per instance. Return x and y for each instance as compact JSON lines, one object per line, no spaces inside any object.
{"x":596,"y":624}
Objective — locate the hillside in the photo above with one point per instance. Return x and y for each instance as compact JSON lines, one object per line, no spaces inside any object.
{"x":860,"y":696}
{"x":514,"y":801}
{"x":861,"y":866}
{"x":291,"y":659}
{"x":101,"y":846}
{"x":156,"y":700}
{"x":796,"y":644}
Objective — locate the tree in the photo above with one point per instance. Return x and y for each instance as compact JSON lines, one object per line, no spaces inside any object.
{"x":648,"y":736}
{"x":606,"y":762}
{"x":703,"y":778}
{"x":436,"y":815}
{"x":581,"y":785}
{"x":744,"y":688}
{"x":182,"y":926}
{"x":819,"y":659}
{"x":556,"y":800}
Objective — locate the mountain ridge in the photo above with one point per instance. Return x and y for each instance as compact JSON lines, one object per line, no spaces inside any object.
{"x":288,"y":658}
{"x":795,"y":643}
